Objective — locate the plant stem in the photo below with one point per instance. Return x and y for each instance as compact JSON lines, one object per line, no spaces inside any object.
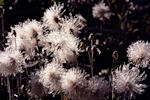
{"x":9,"y":88}
{"x":91,"y":54}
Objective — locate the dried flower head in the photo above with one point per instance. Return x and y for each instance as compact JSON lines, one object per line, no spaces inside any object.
{"x":96,"y":88}
{"x":10,"y":63}
{"x":139,"y":53}
{"x":72,"y":24}
{"x":23,"y":37}
{"x":52,"y":16}
{"x":128,"y":81}
{"x":37,"y":89}
{"x":50,"y":77}
{"x":64,"y":46}
{"x":72,"y":81}
{"x":98,"y":85}
{"x":101,"y":11}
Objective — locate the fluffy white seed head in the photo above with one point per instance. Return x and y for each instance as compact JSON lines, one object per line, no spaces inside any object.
{"x":101,"y":11}
{"x":127,"y":81}
{"x":64,"y":46}
{"x":23,"y":37}
{"x":72,"y":81}
{"x":98,"y":85}
{"x":96,"y":88}
{"x":72,"y":24}
{"x":10,"y":63}
{"x":50,"y":77}
{"x":52,"y":16}
{"x":139,"y":53}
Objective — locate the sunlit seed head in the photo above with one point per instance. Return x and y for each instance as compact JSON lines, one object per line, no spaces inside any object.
{"x":64,"y":46}
{"x":52,"y":16}
{"x":73,"y":25}
{"x":128,"y":80}
{"x":73,"y":80}
{"x":10,"y":63}
{"x":101,"y":11}
{"x":139,"y":53}
{"x":50,"y":77}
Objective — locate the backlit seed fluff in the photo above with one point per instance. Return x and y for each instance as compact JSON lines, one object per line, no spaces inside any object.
{"x":98,"y":85}
{"x":139,"y":53}
{"x":72,"y":24}
{"x":101,"y":11}
{"x":52,"y":16}
{"x":10,"y":63}
{"x":73,"y":80}
{"x":50,"y":77}
{"x":97,"y":89}
{"x":24,"y":36}
{"x":64,"y":46}
{"x":128,"y":80}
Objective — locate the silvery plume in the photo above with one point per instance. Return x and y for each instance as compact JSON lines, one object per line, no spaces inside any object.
{"x":64,"y":46}
{"x":73,"y":24}
{"x":73,"y":81}
{"x":52,"y":16}
{"x":50,"y":77}
{"x":10,"y":62}
{"x":95,"y":88}
{"x":24,"y":37}
{"x":127,"y":81}
{"x":139,"y":53}
{"x":101,"y":11}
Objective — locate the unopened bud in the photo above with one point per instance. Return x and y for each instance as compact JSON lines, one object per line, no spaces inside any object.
{"x":90,"y":37}
{"x":87,"y":48}
{"x":92,"y":49}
